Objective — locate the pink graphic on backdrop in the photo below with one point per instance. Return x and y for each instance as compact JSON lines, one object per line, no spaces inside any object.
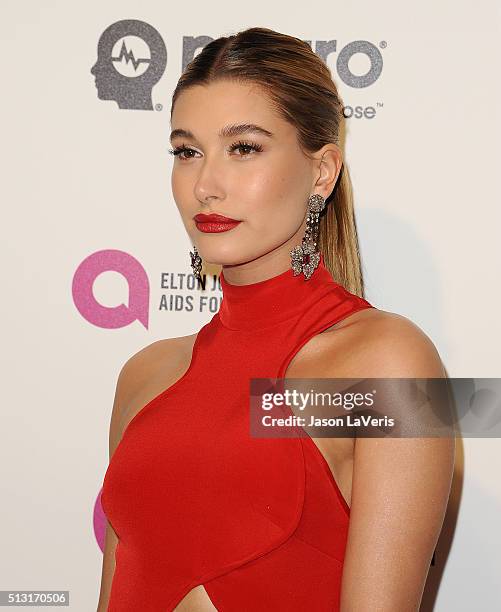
{"x":115,"y":316}
{"x":99,"y":521}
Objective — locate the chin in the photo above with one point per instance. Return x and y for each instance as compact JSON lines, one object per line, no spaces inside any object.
{"x":223,"y":260}
{"x":227,"y":255}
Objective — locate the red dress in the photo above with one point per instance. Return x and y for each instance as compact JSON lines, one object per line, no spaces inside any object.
{"x":195,"y":499}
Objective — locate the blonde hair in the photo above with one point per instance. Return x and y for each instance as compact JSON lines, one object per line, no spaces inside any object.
{"x":300,"y":87}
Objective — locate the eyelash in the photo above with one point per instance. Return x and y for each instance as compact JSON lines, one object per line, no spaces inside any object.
{"x":236,"y":145}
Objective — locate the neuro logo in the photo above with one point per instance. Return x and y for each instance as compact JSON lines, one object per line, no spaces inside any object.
{"x":131,"y":59}
{"x":116,"y":316}
{"x":352,"y":51}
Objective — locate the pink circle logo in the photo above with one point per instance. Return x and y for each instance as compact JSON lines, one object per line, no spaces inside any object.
{"x":116,"y":316}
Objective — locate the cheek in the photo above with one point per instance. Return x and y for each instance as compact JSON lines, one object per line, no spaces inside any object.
{"x":272,"y":197}
{"x":176,"y":183}
{"x":180,"y":192}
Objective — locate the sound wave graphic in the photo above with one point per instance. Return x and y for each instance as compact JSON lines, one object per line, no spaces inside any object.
{"x":129,"y":56}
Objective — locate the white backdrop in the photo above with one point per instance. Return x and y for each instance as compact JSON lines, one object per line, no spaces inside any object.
{"x":86,"y":194}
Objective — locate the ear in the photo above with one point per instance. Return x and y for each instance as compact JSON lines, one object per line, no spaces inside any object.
{"x":326,"y":168}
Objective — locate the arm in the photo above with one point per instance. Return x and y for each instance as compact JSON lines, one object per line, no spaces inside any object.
{"x":108,"y":569}
{"x":162,"y":360}
{"x":111,"y":540}
{"x":400,"y":486}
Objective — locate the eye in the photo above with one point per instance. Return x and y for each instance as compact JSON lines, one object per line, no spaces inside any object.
{"x":246,"y":145}
{"x":181,"y":150}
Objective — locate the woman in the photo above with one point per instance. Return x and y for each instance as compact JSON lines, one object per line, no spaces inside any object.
{"x":202,"y":515}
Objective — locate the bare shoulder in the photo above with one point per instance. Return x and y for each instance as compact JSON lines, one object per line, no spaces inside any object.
{"x":373,"y":343}
{"x":144,"y":363}
{"x":144,"y":375}
{"x":388,"y":344}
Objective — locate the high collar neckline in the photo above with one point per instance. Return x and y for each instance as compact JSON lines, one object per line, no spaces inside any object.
{"x":271,"y":301}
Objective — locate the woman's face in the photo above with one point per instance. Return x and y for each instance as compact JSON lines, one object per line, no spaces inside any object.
{"x":263,"y":181}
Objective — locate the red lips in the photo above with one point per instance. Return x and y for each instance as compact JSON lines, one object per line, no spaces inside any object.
{"x":214,"y":218}
{"x":215,"y":223}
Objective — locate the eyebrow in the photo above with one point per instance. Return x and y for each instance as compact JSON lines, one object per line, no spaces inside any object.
{"x":226,"y":132}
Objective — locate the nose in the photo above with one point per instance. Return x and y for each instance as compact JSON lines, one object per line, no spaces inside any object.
{"x":208,"y":186}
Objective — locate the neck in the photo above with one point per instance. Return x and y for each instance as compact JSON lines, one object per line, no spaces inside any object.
{"x":271,"y":301}
{"x":257,"y":270}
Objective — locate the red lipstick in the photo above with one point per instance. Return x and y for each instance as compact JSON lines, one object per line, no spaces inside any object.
{"x":215,"y":223}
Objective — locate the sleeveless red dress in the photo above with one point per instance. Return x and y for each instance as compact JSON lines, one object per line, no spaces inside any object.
{"x":195,"y":499}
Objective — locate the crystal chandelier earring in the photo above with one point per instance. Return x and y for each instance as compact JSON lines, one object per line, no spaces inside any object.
{"x":196,"y":263}
{"x":304,"y":257}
